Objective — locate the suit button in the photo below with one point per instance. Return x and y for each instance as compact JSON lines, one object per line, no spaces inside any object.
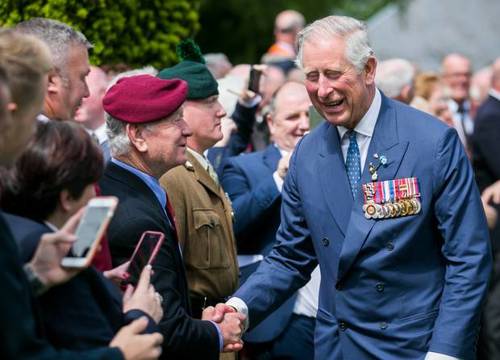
{"x":379,"y":287}
{"x":325,"y":241}
{"x":390,"y":246}
{"x":383,"y":325}
{"x":342,"y":325}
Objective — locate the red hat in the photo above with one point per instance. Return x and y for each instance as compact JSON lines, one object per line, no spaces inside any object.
{"x":144,"y":98}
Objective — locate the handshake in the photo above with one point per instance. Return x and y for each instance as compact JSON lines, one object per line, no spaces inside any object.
{"x":230,"y":323}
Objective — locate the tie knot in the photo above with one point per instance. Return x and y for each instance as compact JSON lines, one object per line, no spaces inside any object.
{"x":352,"y":135}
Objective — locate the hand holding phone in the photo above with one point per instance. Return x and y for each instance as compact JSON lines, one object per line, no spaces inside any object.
{"x":144,"y":254}
{"x":90,"y":230}
{"x":254,"y":80}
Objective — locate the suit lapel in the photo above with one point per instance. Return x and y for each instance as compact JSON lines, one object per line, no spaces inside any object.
{"x":271,"y":157}
{"x":333,"y":179}
{"x":202,"y":175}
{"x":385,"y":141}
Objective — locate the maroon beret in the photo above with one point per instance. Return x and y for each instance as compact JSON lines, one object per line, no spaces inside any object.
{"x":144,"y":98}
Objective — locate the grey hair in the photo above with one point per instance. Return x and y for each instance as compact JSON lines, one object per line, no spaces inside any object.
{"x":58,"y":36}
{"x":393,"y":75}
{"x":358,"y":49}
{"x":119,"y":143}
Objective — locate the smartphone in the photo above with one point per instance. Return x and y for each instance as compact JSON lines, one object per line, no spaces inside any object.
{"x":91,"y":228}
{"x":144,"y":254}
{"x":254,"y":80}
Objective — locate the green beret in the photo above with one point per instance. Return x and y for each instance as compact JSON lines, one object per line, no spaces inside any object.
{"x":193,"y":70}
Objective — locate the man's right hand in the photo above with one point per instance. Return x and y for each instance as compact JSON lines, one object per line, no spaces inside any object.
{"x":135,"y":346}
{"x":230,"y":324}
{"x":283,"y":165}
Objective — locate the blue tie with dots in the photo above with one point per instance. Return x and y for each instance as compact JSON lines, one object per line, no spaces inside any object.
{"x":353,"y":163}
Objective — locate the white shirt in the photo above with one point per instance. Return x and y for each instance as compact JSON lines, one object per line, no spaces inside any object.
{"x":364,"y":130}
{"x":364,"y":133}
{"x":468,"y":125}
{"x":100,"y":133}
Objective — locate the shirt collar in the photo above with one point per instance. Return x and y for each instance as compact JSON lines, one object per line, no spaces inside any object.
{"x":199,"y":157}
{"x":149,"y":180}
{"x":494,"y":93}
{"x":100,"y":132}
{"x":367,"y":124}
{"x":42,"y":118}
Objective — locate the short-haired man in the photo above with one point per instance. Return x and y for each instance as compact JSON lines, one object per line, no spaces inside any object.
{"x":148,"y":136}
{"x":456,"y":71}
{"x":395,"y":78}
{"x":203,"y":211}
{"x":66,"y":81}
{"x":403,"y":244}
{"x":254,"y":182}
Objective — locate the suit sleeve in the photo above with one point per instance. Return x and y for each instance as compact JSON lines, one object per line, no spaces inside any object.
{"x":289,"y":265}
{"x":465,"y":248}
{"x":249,"y":203}
{"x":485,"y":155}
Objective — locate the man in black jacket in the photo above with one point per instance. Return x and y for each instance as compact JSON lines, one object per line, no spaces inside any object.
{"x":147,"y":137}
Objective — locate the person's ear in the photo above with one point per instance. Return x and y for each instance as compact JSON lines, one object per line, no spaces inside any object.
{"x":370,"y":70}
{"x":135,"y":134}
{"x":65,"y":201}
{"x":269,"y":120}
{"x":54,"y":82}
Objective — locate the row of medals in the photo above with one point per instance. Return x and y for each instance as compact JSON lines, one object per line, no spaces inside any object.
{"x":387,"y":210}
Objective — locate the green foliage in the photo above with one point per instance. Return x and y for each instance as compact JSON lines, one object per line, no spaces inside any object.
{"x":132,"y":32}
{"x":243,"y":29}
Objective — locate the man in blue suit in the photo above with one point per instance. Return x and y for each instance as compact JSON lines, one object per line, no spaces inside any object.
{"x":254,"y":182}
{"x":403,"y":245}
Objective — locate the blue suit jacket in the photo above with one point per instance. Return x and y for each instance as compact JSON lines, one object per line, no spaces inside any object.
{"x":392,"y":288}
{"x":248,"y":180}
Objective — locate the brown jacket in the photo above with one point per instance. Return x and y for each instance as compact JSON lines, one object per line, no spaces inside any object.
{"x":203,"y":216}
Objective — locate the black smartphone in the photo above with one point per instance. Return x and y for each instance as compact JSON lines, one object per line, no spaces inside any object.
{"x":254,"y":79}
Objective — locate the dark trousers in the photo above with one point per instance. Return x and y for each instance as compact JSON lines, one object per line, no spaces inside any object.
{"x":296,"y":342}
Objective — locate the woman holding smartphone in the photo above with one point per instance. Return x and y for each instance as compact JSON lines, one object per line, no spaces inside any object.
{"x":51,"y":181}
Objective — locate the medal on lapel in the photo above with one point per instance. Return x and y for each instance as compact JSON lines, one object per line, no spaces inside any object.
{"x":391,"y":198}
{"x":372,"y":168}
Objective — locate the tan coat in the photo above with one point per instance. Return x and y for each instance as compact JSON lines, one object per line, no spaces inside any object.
{"x":204,"y":224}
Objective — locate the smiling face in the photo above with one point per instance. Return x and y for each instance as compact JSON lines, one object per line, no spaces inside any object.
{"x":204,"y":119}
{"x":165,"y":142}
{"x":290,"y":119}
{"x":338,"y":91}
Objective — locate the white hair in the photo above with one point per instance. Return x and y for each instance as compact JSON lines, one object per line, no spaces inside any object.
{"x":119,"y":143}
{"x":393,"y":75}
{"x":353,"y":31}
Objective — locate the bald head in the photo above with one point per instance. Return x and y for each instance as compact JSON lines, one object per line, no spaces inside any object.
{"x":288,"y":120}
{"x":91,"y":113}
{"x":456,"y":72}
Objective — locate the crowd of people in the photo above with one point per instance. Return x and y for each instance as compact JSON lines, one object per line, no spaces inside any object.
{"x":323,"y":204}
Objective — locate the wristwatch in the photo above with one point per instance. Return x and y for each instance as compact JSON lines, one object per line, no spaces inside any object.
{"x":36,"y":284}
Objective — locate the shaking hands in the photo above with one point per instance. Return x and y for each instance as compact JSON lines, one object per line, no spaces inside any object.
{"x":230,"y":323}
